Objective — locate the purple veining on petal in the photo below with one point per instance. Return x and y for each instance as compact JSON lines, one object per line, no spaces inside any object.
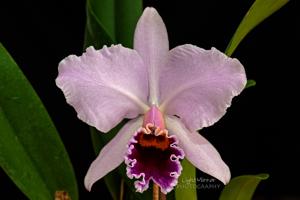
{"x":152,"y":163}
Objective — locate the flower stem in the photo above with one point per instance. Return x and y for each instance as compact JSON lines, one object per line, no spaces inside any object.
{"x":155,"y":192}
{"x":162,"y":196}
{"x":122,"y":189}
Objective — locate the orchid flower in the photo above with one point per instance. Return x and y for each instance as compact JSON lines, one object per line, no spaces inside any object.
{"x":167,"y":94}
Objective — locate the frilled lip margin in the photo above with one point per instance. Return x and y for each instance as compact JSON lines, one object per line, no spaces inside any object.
{"x":152,"y":162}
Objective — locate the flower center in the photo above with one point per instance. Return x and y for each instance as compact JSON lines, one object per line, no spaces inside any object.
{"x":154,"y":133}
{"x":154,"y":137}
{"x":155,"y":117}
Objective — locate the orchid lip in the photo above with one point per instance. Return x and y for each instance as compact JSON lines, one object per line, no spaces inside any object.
{"x":152,"y":156}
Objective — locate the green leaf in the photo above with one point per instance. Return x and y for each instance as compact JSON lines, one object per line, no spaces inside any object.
{"x":242,"y":187}
{"x":127,"y":14}
{"x":186,"y":188}
{"x":111,"y":21}
{"x":250,"y":83}
{"x":100,"y":23}
{"x":260,"y":10}
{"x":31,"y":151}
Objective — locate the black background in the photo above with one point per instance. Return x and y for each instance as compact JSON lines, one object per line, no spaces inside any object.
{"x":258,"y":133}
